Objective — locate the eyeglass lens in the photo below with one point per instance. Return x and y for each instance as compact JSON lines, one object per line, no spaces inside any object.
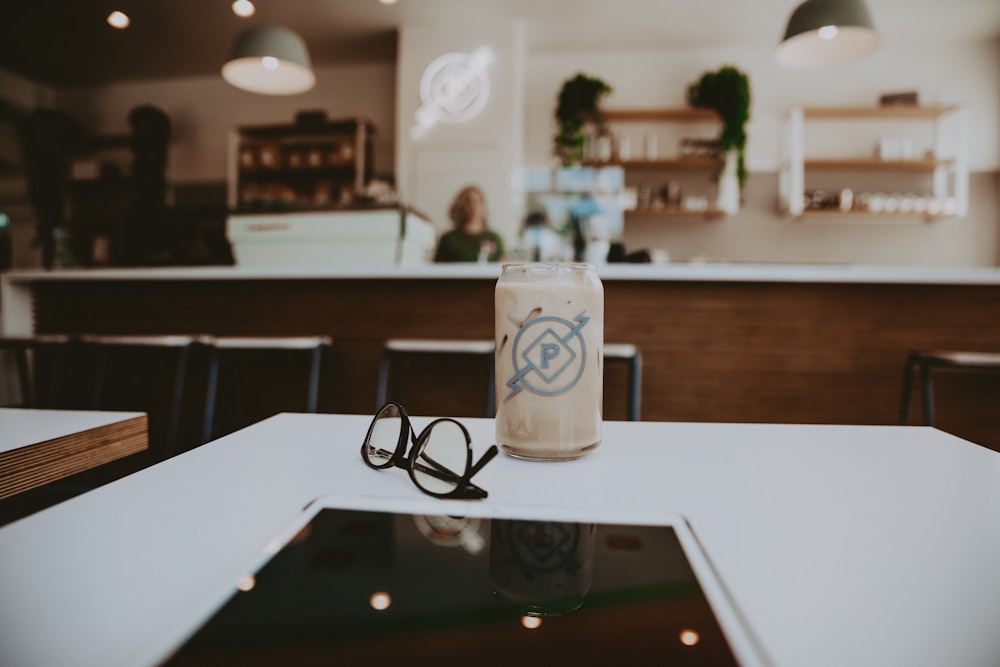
{"x":386,"y":433}
{"x":442,"y":457}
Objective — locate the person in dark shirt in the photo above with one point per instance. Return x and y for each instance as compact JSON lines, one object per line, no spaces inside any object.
{"x":471,"y":240}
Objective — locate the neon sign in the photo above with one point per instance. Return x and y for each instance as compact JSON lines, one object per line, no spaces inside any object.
{"x":453,"y":89}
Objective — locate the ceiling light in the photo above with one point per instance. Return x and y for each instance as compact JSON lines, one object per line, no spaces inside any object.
{"x":117,"y":19}
{"x":269,"y":60}
{"x":827,"y":32}
{"x":243,"y":8}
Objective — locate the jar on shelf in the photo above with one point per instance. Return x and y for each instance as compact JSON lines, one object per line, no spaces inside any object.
{"x":294,"y":158}
{"x":248,"y":158}
{"x":314,"y":157}
{"x":346,"y":152}
{"x":604,"y":148}
{"x":624,"y":148}
{"x":652,"y":146}
{"x":269,"y":156}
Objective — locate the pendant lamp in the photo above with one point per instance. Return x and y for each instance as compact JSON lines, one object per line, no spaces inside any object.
{"x":827,"y":32}
{"x":270,"y":60}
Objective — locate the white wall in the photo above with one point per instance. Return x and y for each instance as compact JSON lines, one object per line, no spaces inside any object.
{"x":483,"y":150}
{"x":204,"y":110}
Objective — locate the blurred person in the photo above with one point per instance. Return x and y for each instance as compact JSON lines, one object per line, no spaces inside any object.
{"x":471,"y":240}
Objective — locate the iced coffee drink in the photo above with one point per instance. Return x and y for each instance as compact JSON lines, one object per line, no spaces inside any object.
{"x":549,"y":360}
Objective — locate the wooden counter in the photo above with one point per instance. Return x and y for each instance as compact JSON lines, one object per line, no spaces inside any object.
{"x":736,"y":343}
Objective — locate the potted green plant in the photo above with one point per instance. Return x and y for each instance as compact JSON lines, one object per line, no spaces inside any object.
{"x":577,"y":105}
{"x":727,"y":91}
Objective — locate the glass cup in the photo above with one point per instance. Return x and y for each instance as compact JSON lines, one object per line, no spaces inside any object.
{"x":549,"y":360}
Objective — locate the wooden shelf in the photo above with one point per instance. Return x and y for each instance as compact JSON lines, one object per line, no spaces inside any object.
{"x":874,"y":164}
{"x":284,"y":132}
{"x":856,"y":216}
{"x":945,"y":164}
{"x":869,"y":113}
{"x":674,"y":212}
{"x":679,"y":164}
{"x":680,"y":115}
{"x":322,"y":171}
{"x":301,"y":166}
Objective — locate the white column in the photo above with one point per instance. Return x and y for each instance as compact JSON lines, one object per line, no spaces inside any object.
{"x":481,"y":148}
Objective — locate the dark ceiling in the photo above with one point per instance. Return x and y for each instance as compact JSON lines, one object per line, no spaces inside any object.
{"x":67,"y":42}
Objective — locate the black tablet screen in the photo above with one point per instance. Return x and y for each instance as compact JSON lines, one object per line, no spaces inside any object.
{"x":376,"y":588}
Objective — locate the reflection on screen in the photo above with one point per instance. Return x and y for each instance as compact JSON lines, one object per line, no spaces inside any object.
{"x":375,"y":588}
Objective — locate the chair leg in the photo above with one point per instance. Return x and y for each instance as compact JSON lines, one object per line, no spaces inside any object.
{"x":211,"y":395}
{"x":326,"y":371}
{"x":635,"y":387}
{"x":176,"y":400}
{"x":28,"y":398}
{"x":928,"y":390}
{"x":904,"y":406}
{"x":315,"y":365}
{"x":383,"y":380}
{"x":100,"y":373}
{"x":62,"y":353}
{"x":397,"y":384}
{"x":491,"y":403}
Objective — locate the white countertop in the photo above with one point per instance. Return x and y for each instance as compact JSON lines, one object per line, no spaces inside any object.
{"x":707,"y":271}
{"x":841,"y":545}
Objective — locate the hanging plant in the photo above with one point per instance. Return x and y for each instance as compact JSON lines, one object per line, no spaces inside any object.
{"x":727,"y":91}
{"x":577,"y":105}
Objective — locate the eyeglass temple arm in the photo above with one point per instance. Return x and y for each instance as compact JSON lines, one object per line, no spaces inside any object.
{"x":434,"y":470}
{"x":441,"y":471}
{"x":483,"y":460}
{"x":468,"y":488}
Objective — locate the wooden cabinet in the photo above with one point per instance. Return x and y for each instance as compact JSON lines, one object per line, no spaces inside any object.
{"x":878,"y":163}
{"x":304,"y":166}
{"x":670,"y":158}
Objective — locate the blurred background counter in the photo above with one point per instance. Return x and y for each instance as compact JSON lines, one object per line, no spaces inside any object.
{"x":720,"y":342}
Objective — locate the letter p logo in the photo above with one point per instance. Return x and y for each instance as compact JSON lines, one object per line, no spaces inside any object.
{"x":549,"y":352}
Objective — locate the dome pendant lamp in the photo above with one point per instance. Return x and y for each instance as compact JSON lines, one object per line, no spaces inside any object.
{"x":269,"y":60}
{"x":827,"y":32}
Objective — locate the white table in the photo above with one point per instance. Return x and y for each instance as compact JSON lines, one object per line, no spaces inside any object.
{"x":42,"y":446}
{"x":842,"y":545}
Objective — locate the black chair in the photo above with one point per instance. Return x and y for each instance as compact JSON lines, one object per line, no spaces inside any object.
{"x":628,"y":354}
{"x":315,"y":349}
{"x":396,"y":348}
{"x":178,"y":349}
{"x":31,"y":356}
{"x":926,"y":362}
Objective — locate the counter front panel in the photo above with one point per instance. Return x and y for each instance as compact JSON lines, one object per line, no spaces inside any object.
{"x":713,"y":350}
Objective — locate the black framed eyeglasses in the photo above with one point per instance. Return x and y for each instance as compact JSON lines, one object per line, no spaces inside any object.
{"x":440,"y":460}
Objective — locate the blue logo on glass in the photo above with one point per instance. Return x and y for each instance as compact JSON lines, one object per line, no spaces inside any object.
{"x":549,"y":355}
